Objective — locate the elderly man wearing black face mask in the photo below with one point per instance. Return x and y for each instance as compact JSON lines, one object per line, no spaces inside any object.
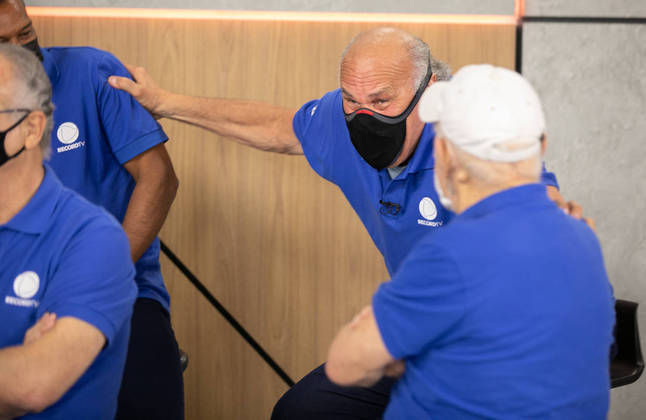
{"x":110,"y":150}
{"x":365,"y":137}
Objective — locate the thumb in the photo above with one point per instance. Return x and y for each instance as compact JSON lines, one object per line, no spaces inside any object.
{"x":122,"y":83}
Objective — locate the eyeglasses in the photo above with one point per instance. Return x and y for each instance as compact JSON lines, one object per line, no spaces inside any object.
{"x":11,"y":111}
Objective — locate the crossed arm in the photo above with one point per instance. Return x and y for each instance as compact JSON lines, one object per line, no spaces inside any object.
{"x":39,"y":372}
{"x":358,"y":355}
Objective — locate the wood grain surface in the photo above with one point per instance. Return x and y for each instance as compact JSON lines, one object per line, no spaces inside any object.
{"x":277,"y":245}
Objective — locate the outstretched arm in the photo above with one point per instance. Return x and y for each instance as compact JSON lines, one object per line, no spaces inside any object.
{"x":255,"y":124}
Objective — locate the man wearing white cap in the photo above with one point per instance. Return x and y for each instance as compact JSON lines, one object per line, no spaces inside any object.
{"x":507,"y":311}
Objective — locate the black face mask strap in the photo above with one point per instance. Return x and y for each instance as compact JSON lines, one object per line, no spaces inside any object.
{"x":399,"y":118}
{"x":3,"y":154}
{"x":420,"y":91}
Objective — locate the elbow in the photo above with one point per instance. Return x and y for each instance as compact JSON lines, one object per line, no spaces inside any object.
{"x":173,"y":183}
{"x":339,"y":369}
{"x":335,"y":373}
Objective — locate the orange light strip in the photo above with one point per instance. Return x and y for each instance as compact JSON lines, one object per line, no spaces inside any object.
{"x":519,"y":9}
{"x":121,"y":13}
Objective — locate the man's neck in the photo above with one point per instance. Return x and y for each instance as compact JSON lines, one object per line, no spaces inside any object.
{"x":18,"y":184}
{"x":472,"y":194}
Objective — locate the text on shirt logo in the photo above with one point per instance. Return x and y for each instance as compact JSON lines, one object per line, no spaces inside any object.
{"x":67,"y":134}
{"x":25,"y":286}
{"x":428,"y":210}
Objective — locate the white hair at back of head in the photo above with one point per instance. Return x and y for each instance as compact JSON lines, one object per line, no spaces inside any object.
{"x":491,"y":173}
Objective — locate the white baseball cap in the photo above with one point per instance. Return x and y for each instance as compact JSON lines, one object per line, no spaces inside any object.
{"x":490,"y":112}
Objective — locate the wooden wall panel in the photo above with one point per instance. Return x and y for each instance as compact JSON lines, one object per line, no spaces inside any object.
{"x":225,"y":378}
{"x":279,"y":246}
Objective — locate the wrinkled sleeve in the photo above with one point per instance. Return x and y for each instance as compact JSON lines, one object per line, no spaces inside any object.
{"x":95,"y":280}
{"x":312,"y":126}
{"x":424,"y":301}
{"x":129,"y":128}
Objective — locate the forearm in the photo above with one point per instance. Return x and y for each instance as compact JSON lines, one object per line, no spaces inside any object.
{"x":149,"y":204}
{"x":19,"y":382}
{"x":12,"y":401}
{"x":255,"y":124}
{"x":345,"y":365}
{"x":37,"y":374}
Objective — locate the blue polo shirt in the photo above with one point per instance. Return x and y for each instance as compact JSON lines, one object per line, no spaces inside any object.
{"x":96,"y":130}
{"x":64,"y":255}
{"x":506,"y":312}
{"x":412,"y":208}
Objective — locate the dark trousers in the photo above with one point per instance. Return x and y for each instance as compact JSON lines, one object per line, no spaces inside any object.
{"x":316,"y":398}
{"x":152,"y":386}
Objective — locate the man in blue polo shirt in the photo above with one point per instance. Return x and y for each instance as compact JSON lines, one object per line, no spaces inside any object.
{"x":506,"y":312}
{"x":107,"y":148}
{"x":366,"y":138}
{"x":65,"y":263}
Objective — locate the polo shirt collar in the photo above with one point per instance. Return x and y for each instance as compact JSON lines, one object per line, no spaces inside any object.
{"x":422,"y":158}
{"x":35,"y":217}
{"x":50,"y":66}
{"x":512,"y":197}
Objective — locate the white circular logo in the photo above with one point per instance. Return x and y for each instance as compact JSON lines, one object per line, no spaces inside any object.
{"x":427,"y":209}
{"x":26,"y":284}
{"x":67,"y":133}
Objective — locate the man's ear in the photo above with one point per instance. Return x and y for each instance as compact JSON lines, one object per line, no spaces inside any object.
{"x":35,"y":126}
{"x":440,"y":149}
{"x":432,"y":80}
{"x":543,"y":144}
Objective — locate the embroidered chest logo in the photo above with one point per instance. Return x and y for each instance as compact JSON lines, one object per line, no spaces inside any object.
{"x":428,"y":210}
{"x":25,"y":286}
{"x":68,"y":134}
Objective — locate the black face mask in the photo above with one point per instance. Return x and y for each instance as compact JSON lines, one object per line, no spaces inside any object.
{"x":3,"y":154}
{"x":379,"y":139}
{"x":35,"y":48}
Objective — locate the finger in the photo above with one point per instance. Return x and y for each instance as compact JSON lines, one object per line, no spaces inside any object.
{"x":131,"y":69}
{"x":575,"y":210}
{"x":122,"y":83}
{"x":48,"y":322}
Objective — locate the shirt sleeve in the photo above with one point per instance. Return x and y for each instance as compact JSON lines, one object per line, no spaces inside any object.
{"x":421,"y":304}
{"x":312,"y":128}
{"x":548,"y":178}
{"x":94,"y":281}
{"x":129,"y":128}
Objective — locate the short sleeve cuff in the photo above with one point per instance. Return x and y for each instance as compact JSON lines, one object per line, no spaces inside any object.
{"x":381,"y":318}
{"x":548,"y":178}
{"x":140,"y":145}
{"x":89,"y":315}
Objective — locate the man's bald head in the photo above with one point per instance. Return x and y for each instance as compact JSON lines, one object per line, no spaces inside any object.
{"x":391,"y":46}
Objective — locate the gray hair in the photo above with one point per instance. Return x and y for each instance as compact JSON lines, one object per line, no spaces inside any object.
{"x":29,"y":87}
{"x":441,"y":70}
{"x":420,"y":55}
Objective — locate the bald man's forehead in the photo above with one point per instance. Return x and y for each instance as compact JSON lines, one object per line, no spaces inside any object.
{"x":13,"y":19}
{"x":374,"y":65}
